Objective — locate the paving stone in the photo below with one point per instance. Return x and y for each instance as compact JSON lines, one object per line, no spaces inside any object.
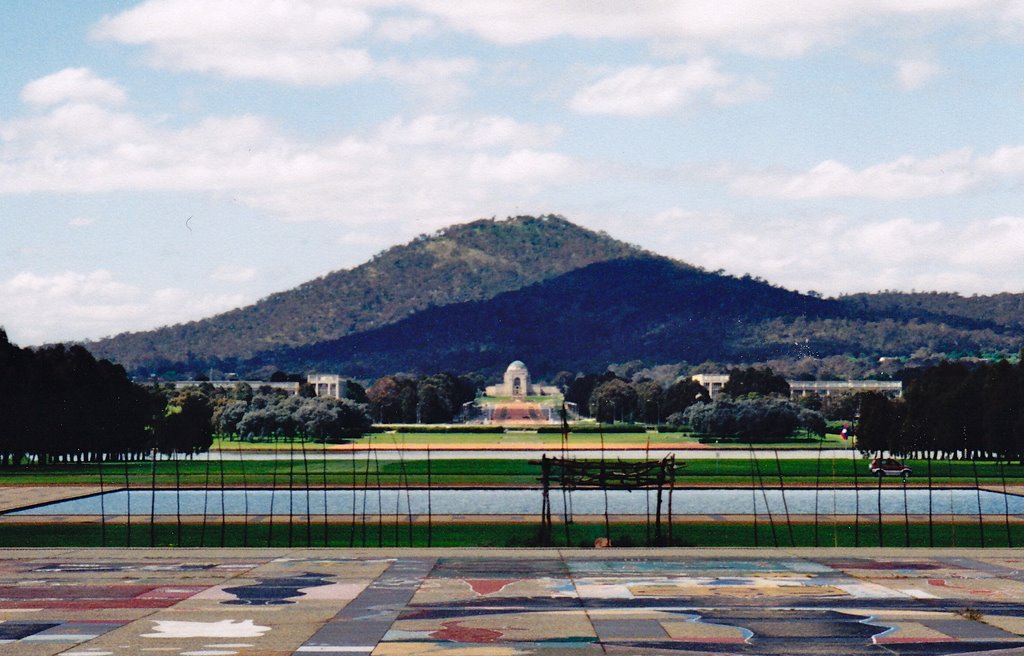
{"x":508,"y":602}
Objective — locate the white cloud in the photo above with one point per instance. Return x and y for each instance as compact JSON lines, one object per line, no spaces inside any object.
{"x":81,"y":221}
{"x":762,"y":26}
{"x":316,"y":42}
{"x":40,"y":308}
{"x":439,"y":81}
{"x":1007,"y":160}
{"x":439,"y":168}
{"x":913,"y":74}
{"x":742,"y":92}
{"x":648,"y":90}
{"x":954,"y":172}
{"x":72,"y":84}
{"x":233,"y":273}
{"x":406,"y":29}
{"x":836,"y":254}
{"x":484,"y":132}
{"x":296,"y":42}
{"x":303,"y":42}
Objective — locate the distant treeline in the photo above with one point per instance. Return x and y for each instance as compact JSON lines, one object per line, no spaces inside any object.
{"x":972,"y":412}
{"x":434,"y":399}
{"x":60,"y":404}
{"x":754,"y":404}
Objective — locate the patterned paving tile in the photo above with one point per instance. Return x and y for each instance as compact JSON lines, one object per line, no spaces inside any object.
{"x":515,"y":603}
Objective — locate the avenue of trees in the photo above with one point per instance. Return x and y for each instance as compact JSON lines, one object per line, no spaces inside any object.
{"x":611,"y":399}
{"x":60,"y":404}
{"x":950,"y":410}
{"x":434,"y":399}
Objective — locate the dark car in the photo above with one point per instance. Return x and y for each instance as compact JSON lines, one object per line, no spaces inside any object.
{"x":889,"y":467}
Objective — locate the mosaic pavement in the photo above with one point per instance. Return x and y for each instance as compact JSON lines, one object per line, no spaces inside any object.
{"x":94,"y":602}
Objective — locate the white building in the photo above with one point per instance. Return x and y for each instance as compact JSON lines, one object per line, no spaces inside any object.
{"x":714,"y":383}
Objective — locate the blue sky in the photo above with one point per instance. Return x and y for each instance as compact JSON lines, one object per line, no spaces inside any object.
{"x":165,"y":160}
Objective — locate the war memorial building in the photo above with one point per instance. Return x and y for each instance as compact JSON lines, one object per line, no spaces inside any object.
{"x":517,"y":384}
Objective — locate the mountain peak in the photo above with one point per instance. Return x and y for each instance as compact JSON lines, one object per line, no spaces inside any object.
{"x":466,"y":262}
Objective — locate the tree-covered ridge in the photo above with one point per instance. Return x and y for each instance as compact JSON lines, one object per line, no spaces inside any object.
{"x":473,"y":261}
{"x":995,"y":311}
{"x":642,"y":308}
{"x":646,"y":307}
{"x":473,"y":297}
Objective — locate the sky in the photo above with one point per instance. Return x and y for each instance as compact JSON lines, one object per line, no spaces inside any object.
{"x":166,"y":160}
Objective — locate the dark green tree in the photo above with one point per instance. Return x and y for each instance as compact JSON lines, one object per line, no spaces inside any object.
{"x":755,"y":381}
{"x":681,"y":394}
{"x":614,"y":401}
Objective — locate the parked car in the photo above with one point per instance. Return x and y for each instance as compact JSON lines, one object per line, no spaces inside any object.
{"x":889,"y":467}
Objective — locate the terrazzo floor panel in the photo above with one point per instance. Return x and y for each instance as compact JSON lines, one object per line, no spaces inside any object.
{"x":104,"y":602}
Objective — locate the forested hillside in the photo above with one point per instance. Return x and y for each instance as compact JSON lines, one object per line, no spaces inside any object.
{"x":996,"y":311}
{"x":647,"y":308}
{"x":473,"y":297}
{"x":473,"y":261}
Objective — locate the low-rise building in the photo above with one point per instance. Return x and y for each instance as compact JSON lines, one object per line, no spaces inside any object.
{"x":714,"y":383}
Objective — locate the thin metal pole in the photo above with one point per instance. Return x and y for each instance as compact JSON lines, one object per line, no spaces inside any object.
{"x":305,"y":479}
{"x":785,"y":506}
{"x":177,"y":497}
{"x":128,"y":495}
{"x":977,"y":490}
{"x":355,"y":484}
{"x":856,"y":498}
{"x":817,"y":490}
{"x":223,"y":507}
{"x":323,"y":455}
{"x":881,"y":538}
{"x":753,"y":492}
{"x":671,"y":489}
{"x":102,"y":505}
{"x":291,"y":492}
{"x":206,"y":501}
{"x":906,"y":515}
{"x":245,"y":495}
{"x":273,"y":494}
{"x":931,"y":530}
{"x":152,"y":498}
{"x":1006,"y":503}
{"x":430,"y":518}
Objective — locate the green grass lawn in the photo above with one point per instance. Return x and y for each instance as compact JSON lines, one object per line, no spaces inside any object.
{"x":295,"y":472}
{"x":527,"y":436}
{"x":313,"y":532}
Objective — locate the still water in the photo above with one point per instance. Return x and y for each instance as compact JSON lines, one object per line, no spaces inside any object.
{"x":894,"y":500}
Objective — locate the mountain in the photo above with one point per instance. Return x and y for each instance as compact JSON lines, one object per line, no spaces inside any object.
{"x":469,"y":262}
{"x":643,"y":307}
{"x":474,"y":297}
{"x":998,"y":311}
